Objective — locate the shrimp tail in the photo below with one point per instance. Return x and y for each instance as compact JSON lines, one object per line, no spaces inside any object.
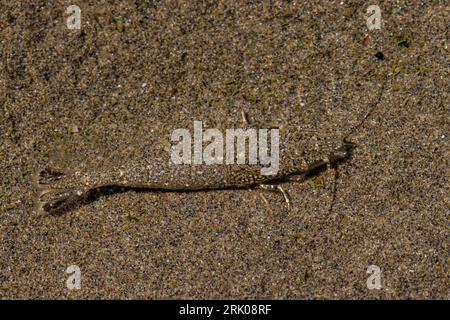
{"x":51,"y":199}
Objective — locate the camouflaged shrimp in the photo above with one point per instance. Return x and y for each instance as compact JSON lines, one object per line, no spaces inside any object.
{"x":58,"y":191}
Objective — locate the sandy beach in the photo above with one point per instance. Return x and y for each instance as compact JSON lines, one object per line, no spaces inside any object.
{"x":105,"y":98}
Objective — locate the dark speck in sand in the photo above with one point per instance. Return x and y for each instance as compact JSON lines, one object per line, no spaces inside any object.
{"x":379,"y":55}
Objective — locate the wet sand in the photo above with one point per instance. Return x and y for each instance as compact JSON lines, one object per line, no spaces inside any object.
{"x":103,"y":96}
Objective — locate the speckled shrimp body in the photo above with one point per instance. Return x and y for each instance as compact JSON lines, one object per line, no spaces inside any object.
{"x":58,"y":191}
